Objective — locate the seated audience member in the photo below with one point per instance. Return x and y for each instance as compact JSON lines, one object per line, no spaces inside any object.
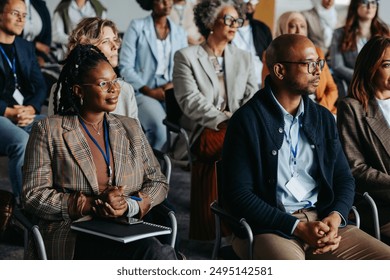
{"x":99,"y":159}
{"x":183,"y":15}
{"x":101,"y":33}
{"x":211,"y":82}
{"x":321,"y":23}
{"x":67,"y":15}
{"x":254,"y":37}
{"x":22,"y":88}
{"x":284,"y":170}
{"x":364,"y":127}
{"x":326,"y":93}
{"x":146,"y":62}
{"x":37,"y":29}
{"x":361,"y":24}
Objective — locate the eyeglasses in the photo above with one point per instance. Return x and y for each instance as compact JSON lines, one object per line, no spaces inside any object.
{"x":311,"y":65}
{"x":366,"y":3}
{"x":107,"y":85}
{"x":18,"y":14}
{"x":231,"y":21}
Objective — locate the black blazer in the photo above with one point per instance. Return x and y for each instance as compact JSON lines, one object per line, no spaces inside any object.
{"x":262,"y":36}
{"x":32,"y":81}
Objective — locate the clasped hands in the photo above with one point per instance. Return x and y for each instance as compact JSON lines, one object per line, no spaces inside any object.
{"x":111,"y":203}
{"x":320,"y":235}
{"x":20,"y":115}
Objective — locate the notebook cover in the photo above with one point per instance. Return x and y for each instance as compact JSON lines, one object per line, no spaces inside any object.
{"x":120,"y":232}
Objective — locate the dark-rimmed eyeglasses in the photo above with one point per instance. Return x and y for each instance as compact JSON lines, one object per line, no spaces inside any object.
{"x":106,"y":86}
{"x":231,"y":21}
{"x":371,"y":3}
{"x":311,"y":65}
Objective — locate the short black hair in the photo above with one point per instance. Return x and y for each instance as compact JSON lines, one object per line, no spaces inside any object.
{"x":3,"y":3}
{"x":146,"y":4}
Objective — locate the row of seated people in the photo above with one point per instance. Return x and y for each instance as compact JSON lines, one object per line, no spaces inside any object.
{"x":213,"y":117}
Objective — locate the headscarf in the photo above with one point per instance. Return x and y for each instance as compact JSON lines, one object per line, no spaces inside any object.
{"x":284,"y":19}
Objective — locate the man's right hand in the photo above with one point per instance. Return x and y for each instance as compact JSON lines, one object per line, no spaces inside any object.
{"x":311,"y":233}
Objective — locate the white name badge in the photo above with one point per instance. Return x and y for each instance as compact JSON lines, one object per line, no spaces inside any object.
{"x":18,"y":96}
{"x":296,"y":188}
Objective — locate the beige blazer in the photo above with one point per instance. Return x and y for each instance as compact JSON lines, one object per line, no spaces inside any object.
{"x":59,"y":162}
{"x":365,"y":137}
{"x":197,"y":87}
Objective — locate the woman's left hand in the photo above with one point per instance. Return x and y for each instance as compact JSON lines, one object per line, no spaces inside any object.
{"x":111,"y":203}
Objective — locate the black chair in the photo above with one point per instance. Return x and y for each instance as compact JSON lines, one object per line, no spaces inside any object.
{"x":174,"y":130}
{"x":165,"y":163}
{"x":226,"y":251}
{"x":366,"y":198}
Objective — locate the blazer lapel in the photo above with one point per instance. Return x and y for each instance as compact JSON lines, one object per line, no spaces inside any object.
{"x":151,"y":37}
{"x":119,"y":146}
{"x":80,"y":150}
{"x":378,"y":124}
{"x":204,"y":61}
{"x":21,"y":58}
{"x":230,"y":71}
{"x":2,"y":69}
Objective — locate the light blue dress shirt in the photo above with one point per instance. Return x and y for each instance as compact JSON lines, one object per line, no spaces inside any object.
{"x":297,"y":168}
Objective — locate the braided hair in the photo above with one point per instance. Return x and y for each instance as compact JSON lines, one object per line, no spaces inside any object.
{"x":80,"y":61}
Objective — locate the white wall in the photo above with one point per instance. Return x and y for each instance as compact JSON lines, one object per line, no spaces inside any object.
{"x":119,"y":11}
{"x":122,"y":11}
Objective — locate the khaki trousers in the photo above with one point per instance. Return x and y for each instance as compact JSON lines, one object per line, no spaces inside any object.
{"x":355,"y":244}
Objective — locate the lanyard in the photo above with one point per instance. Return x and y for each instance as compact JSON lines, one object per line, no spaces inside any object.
{"x":11,"y":65}
{"x":106,"y":155}
{"x":294,"y":150}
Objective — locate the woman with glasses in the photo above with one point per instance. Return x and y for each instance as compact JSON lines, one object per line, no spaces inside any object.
{"x":83,"y":161}
{"x":211,"y":82}
{"x":103,"y":34}
{"x":326,"y":93}
{"x":361,"y":24}
{"x":146,"y":62}
{"x":363,"y":121}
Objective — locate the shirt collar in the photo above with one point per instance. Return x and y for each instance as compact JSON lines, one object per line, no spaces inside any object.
{"x":301,"y":108}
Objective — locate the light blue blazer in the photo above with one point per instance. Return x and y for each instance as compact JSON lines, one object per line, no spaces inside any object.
{"x":138,"y":55}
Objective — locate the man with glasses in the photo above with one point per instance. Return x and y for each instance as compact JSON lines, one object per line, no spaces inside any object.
{"x":284,"y":169}
{"x":22,"y":88}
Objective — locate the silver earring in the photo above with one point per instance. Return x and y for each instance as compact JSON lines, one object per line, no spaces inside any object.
{"x":81,"y":101}
{"x":211,"y":32}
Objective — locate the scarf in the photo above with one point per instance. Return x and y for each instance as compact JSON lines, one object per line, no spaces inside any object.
{"x":328,"y":20}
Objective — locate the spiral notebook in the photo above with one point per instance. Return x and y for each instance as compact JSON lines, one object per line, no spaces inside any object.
{"x":120,"y":232}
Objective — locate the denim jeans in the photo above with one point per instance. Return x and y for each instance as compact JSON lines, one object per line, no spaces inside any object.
{"x":151,"y":113}
{"x":13,"y":141}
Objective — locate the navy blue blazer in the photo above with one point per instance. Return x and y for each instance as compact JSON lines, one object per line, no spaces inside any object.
{"x":32,"y":81}
{"x":250,"y":162}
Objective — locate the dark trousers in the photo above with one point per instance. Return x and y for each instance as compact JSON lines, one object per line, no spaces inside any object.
{"x":89,"y":247}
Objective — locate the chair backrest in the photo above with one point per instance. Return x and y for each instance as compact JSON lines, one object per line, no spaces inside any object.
{"x":217,"y":207}
{"x":172,"y":107}
{"x":165,"y":163}
{"x":31,"y":230}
